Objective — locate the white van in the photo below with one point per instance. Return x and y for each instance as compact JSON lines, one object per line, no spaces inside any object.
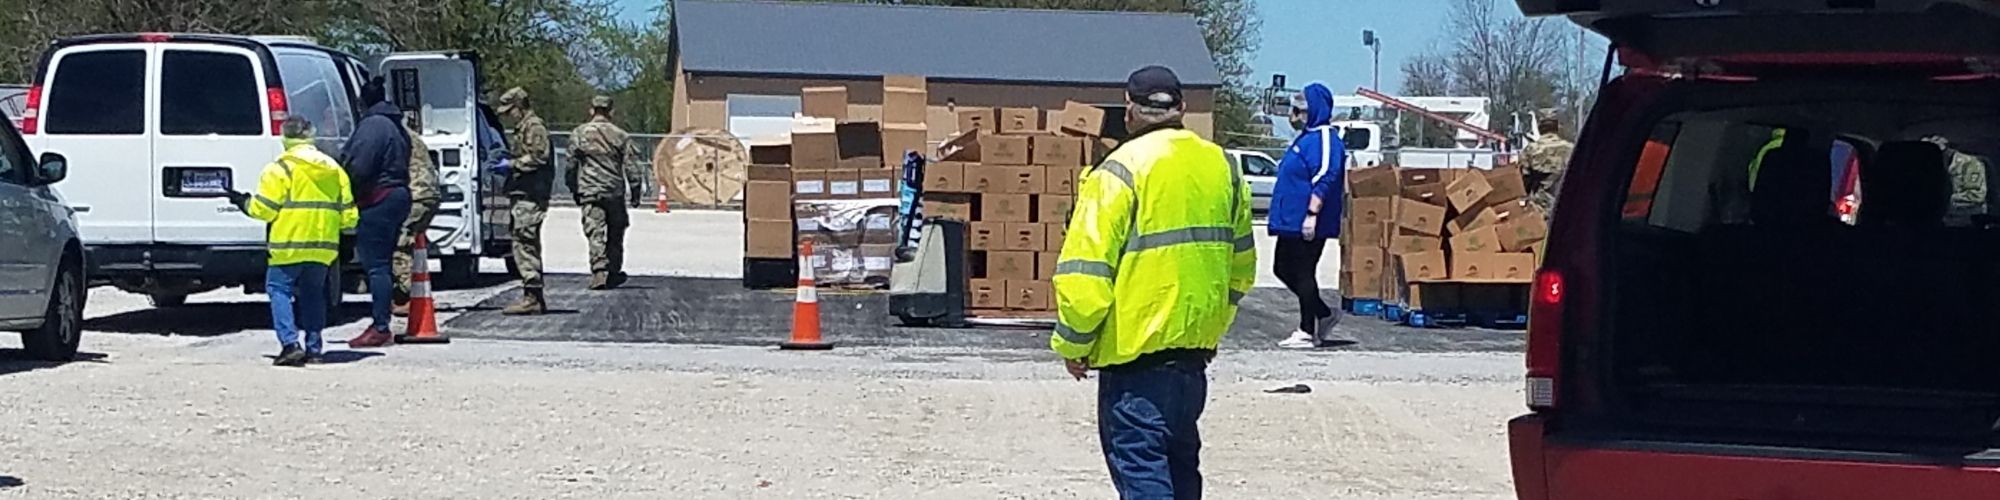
{"x":442,"y":90}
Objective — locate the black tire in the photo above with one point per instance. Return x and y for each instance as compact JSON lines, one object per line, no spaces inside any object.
{"x":163,"y":299}
{"x":460,"y":271}
{"x":62,"y":330}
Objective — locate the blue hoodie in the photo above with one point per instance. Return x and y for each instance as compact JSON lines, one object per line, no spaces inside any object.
{"x":1314,"y":166}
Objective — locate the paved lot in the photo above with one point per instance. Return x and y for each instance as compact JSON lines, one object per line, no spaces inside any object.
{"x":670,"y":402}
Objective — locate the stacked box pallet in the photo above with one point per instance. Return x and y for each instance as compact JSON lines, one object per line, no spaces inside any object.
{"x":1453,"y":240}
{"x":1011,"y":178}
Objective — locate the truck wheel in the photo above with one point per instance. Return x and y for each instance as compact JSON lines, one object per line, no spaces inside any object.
{"x":460,"y":271}
{"x":165,"y":299}
{"x":62,"y":330}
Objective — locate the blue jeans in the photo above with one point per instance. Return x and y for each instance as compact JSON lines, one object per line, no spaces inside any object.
{"x":298,"y":303}
{"x":375,"y":243}
{"x":1146,"y":421}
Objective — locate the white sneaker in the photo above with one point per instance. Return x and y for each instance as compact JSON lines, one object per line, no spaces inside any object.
{"x":1299,"y":340}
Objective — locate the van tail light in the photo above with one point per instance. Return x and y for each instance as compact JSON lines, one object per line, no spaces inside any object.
{"x":31,"y":118}
{"x":156,"y":37}
{"x":1545,"y":326}
{"x":280,"y":110}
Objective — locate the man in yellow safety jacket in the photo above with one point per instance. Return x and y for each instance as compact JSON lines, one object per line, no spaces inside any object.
{"x":307,"y":200}
{"x":1159,"y":251}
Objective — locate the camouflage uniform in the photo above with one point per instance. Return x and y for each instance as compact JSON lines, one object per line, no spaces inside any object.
{"x":599,"y":154}
{"x":530,"y":181}
{"x":423,"y":206}
{"x":1543,"y":164}
{"x":1968,"y":189}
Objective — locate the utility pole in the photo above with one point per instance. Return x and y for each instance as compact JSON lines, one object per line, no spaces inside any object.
{"x":1368,"y":39}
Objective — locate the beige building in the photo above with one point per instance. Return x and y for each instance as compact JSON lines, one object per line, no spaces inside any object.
{"x":739,"y":66}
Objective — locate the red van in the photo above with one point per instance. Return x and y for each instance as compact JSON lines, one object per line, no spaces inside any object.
{"x":1708,"y":325}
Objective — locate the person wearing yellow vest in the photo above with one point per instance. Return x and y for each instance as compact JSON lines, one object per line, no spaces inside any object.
{"x":308,"y":201}
{"x":1159,"y":251}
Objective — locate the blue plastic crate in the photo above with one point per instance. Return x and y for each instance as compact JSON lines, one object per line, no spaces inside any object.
{"x":1363,"y":307}
{"x":1428,"y":319}
{"x":1394,"y":313}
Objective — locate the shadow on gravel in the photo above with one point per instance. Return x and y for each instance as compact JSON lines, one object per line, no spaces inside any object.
{"x":339,"y":357}
{"x":206,"y":319}
{"x":14,"y":361}
{"x":7,"y":481}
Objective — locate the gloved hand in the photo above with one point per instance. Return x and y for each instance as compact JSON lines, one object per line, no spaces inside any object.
{"x":503,"y":167}
{"x":1310,"y":227}
{"x":241,"y":200}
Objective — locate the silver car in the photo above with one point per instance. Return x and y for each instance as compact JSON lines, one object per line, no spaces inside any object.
{"x":42,"y":286}
{"x":1261,"y":172}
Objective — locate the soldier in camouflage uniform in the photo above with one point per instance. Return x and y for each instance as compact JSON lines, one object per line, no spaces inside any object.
{"x":530,"y":181}
{"x":599,"y":154}
{"x":1968,"y":184}
{"x":1544,"y":162}
{"x":423,"y":206}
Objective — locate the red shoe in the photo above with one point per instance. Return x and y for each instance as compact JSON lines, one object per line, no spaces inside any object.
{"x":374,"y":337}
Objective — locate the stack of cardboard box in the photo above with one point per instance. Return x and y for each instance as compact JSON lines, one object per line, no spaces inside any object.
{"x":1012,"y":178}
{"x":1439,"y":239}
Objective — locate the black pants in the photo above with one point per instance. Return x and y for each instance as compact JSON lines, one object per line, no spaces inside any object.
{"x":1297,"y":265}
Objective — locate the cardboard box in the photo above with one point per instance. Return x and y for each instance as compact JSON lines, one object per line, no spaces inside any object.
{"x":879,"y":227}
{"x":1433,"y":193}
{"x":1520,"y":234}
{"x":900,"y":138}
{"x":1372,"y":182}
{"x":780,"y":173}
{"x":1409,"y":244}
{"x":906,"y":81}
{"x":1507,"y":185}
{"x":877,"y":261}
{"x":1020,"y":120}
{"x":1061,"y":180}
{"x":1423,"y":266}
{"x":809,"y":184}
{"x":948,"y":207}
{"x":1494,"y":267}
{"x":843,"y":184}
{"x":1365,"y":270}
{"x":1517,"y":208}
{"x":1366,"y":233}
{"x":1080,"y":118}
{"x":1484,"y":239}
{"x":768,"y":239}
{"x":1420,"y":217}
{"x":1057,"y":151}
{"x":1004,"y":150}
{"x":880,"y":183}
{"x":1023,"y":237}
{"x":1028,"y":295}
{"x":985,"y":236}
{"x":815,"y":150}
{"x":1467,"y":190}
{"x":771,"y":154}
{"x":824,"y":102}
{"x":944,"y":177}
{"x":985,"y":120}
{"x":1475,"y":219}
{"x":1052,"y":208}
{"x":903,"y":105}
{"x":1045,"y":265}
{"x":859,"y":140}
{"x":1421,"y":176}
{"x":1055,"y":234}
{"x":861,"y":163}
{"x":988,"y":179}
{"x":962,"y":147}
{"x":1010,"y":265}
{"x":1372,"y":209}
{"x":1006,"y":208}
{"x":987,"y":293}
{"x":1023,"y":180}
{"x":768,"y":201}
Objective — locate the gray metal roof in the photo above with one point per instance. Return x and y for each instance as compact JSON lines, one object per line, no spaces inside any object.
{"x":942,"y":43}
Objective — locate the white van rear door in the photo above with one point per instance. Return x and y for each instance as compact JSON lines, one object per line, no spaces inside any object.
{"x":213,"y":126}
{"x":93,"y":111}
{"x":440,"y":88}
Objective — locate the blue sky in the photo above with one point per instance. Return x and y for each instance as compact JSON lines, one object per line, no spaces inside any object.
{"x":1319,"y":40}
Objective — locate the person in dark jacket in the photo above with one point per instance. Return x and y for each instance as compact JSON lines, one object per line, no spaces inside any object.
{"x":1305,"y":213}
{"x":377,"y":160}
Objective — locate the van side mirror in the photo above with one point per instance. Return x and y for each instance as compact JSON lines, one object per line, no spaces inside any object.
{"x":54,"y":169}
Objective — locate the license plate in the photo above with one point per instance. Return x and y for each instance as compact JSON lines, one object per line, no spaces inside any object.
{"x":205,"y":182}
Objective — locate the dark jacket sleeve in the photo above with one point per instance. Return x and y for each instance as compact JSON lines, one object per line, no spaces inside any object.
{"x":370,"y":153}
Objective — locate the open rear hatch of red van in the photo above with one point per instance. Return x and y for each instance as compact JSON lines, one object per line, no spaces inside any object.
{"x":1754,"y":36}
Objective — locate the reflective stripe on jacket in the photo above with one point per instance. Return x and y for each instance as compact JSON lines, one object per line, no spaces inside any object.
{"x":307,"y":199}
{"x":1158,"y":252}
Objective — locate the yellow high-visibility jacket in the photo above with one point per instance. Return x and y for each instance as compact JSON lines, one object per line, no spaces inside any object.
{"x":1159,"y":251}
{"x":306,"y":198}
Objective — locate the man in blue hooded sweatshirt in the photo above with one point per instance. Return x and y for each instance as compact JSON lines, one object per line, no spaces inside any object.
{"x":377,"y":159}
{"x":1305,"y":213}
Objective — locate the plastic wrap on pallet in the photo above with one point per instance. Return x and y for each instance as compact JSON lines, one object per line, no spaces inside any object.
{"x":854,"y":241}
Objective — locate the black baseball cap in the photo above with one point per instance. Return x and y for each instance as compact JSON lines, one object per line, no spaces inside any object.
{"x":1154,"y":87}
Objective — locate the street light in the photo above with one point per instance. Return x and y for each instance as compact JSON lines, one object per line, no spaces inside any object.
{"x":1369,"y":40}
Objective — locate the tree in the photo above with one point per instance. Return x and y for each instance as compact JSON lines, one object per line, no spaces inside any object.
{"x":1521,"y":64}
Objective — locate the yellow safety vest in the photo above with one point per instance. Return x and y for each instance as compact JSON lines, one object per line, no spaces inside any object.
{"x":1158,"y":253}
{"x":306,"y":198}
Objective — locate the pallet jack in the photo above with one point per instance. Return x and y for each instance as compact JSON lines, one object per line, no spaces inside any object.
{"x":927,"y":285}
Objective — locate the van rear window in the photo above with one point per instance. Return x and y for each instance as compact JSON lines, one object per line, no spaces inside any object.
{"x":209,"y":93}
{"x":101,"y":92}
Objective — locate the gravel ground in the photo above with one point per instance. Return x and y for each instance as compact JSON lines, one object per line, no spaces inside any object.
{"x":183,"y":404}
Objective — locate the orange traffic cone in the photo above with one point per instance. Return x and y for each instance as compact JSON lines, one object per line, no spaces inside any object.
{"x":805,"y":309}
{"x":662,"y":203}
{"x":423,"y":311}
